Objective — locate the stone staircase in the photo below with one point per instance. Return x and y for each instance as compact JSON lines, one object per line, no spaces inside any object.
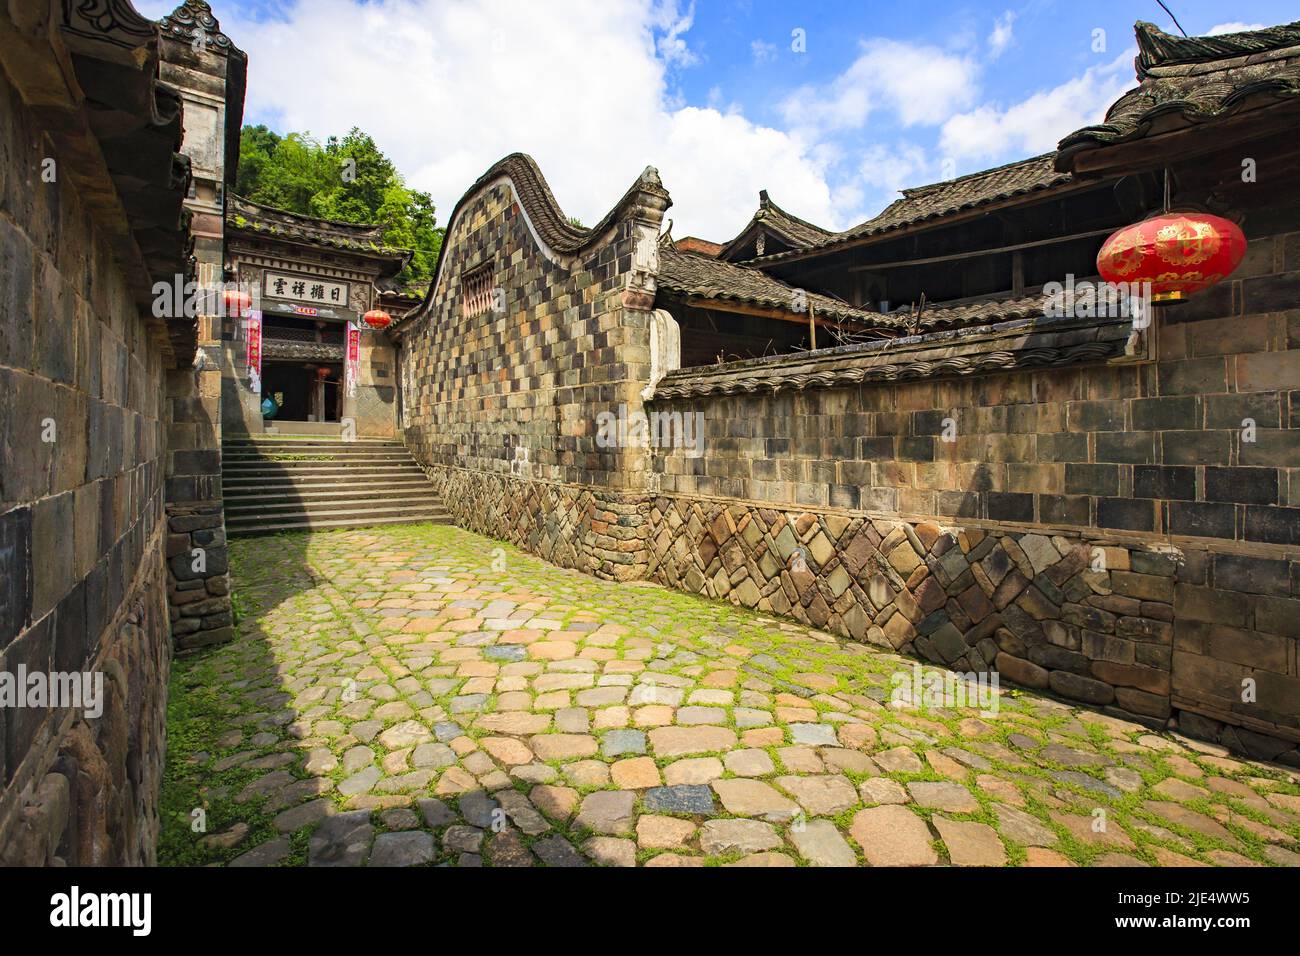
{"x":277,"y":483}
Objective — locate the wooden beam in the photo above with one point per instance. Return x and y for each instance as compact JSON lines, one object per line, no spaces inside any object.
{"x":739,"y":308}
{"x":938,"y":222}
{"x":877,"y":266}
{"x":1183,"y":143}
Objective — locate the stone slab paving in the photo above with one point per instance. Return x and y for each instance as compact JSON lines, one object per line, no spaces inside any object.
{"x":419,"y":695}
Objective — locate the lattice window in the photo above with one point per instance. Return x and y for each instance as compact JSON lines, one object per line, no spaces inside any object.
{"x":476,"y":290}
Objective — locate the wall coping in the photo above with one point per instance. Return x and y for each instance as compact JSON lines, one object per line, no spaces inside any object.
{"x":1039,"y":342}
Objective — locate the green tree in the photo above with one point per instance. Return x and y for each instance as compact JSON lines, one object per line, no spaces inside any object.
{"x":348,"y":179}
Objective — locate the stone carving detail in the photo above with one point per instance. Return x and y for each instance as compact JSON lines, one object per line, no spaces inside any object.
{"x":112,"y":21}
{"x":192,"y":18}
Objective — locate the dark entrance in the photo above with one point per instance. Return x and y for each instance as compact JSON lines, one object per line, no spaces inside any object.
{"x":305,"y":392}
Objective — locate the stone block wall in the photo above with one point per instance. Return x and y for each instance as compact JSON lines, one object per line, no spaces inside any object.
{"x":515,"y":390}
{"x":198,"y":580}
{"x":376,"y":398}
{"x":1181,"y":474}
{"x":1134,"y":626}
{"x":594,"y":530}
{"x":82,"y":586}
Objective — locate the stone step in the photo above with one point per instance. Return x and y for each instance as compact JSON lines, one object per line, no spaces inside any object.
{"x":255,"y":522}
{"x":342,"y":471}
{"x":243,"y":487}
{"x":274,"y":485}
{"x":321,"y":461}
{"x":368,"y":490}
{"x":354,"y":503}
{"x":315,"y":523}
{"x":306,"y":449}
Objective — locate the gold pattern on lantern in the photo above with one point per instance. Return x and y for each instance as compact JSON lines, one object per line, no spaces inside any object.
{"x":1124,"y":252}
{"x":1185,"y":242}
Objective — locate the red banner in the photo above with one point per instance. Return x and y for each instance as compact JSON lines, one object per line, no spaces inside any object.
{"x":352,"y":371}
{"x":254,"y":327}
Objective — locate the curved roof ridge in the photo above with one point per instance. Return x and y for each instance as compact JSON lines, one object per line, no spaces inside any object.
{"x":800,"y":232}
{"x":319,"y":221}
{"x":766,"y":200}
{"x":542,"y":211}
{"x":936,"y":201}
{"x":1187,"y":81}
{"x":1158,"y":48}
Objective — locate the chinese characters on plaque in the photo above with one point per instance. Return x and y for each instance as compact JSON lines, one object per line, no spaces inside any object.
{"x":304,"y":288}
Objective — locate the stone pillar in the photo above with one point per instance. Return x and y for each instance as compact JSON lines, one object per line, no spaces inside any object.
{"x":209,"y":71}
{"x":198,"y":585}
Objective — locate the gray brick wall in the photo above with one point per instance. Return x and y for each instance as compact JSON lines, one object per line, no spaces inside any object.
{"x":81,"y":523}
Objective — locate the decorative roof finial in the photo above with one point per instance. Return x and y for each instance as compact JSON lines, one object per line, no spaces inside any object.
{"x":193,"y":20}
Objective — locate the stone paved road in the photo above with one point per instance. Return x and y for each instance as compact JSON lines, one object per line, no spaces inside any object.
{"x":422,"y":695}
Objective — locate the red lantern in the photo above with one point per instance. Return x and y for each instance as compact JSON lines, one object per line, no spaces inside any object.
{"x":236,"y":301}
{"x":322,"y":372}
{"x":1179,"y":253}
{"x":377,"y":319}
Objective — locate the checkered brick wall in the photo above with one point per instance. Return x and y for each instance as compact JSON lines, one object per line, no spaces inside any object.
{"x":516,"y":390}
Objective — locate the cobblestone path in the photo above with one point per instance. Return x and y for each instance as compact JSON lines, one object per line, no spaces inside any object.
{"x":422,"y":695}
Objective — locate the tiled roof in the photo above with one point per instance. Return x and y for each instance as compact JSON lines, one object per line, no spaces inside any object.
{"x":990,"y":347}
{"x":941,"y":199}
{"x":243,"y":215}
{"x":696,"y":276}
{"x":1189,"y":80}
{"x":798,"y":233}
{"x":978,"y":313}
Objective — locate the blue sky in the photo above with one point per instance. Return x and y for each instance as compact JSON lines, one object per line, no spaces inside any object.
{"x":831,"y":106}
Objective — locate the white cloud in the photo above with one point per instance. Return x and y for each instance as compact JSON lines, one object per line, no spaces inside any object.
{"x":671,"y":46}
{"x":585,"y":91}
{"x":1035,"y":124}
{"x":920,"y":84}
{"x":762,"y":51}
{"x":1236,"y":27}
{"x":1003,"y":34}
{"x":891,"y":169}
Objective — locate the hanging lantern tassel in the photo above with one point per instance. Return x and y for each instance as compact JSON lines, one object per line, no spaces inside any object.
{"x":377,"y":319}
{"x":1179,"y":253}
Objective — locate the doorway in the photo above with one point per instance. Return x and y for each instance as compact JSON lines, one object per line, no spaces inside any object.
{"x":304,"y":391}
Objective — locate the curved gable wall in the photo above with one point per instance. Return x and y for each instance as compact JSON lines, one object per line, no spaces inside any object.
{"x":517,"y":391}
